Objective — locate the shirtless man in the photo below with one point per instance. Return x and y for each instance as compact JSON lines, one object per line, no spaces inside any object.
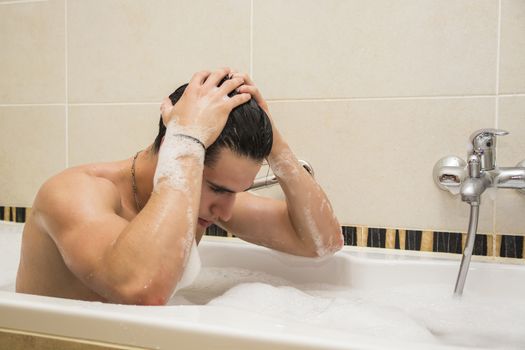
{"x":101,"y":232}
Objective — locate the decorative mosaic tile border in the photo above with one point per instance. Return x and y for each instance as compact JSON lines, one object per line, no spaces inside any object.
{"x":506,"y":246}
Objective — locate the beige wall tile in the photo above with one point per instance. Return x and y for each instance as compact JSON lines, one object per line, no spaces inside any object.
{"x":341,"y":48}
{"x":137,"y":51}
{"x":510,"y":208}
{"x":32,"y":56}
{"x":32,"y":148}
{"x":108,"y":133}
{"x":512,"y":51}
{"x":375,"y":158}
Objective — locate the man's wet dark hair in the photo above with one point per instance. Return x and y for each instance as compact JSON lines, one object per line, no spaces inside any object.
{"x":248,"y":131}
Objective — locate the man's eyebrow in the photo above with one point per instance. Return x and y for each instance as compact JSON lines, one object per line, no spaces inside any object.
{"x":220,"y":188}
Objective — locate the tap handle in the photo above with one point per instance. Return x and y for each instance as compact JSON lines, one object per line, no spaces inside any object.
{"x":474,"y":170}
{"x":483,"y":145}
{"x":486,"y":138}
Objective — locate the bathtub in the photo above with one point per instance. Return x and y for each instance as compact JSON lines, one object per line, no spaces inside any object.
{"x":252,"y":297}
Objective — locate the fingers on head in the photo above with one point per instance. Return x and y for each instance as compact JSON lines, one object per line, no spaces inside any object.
{"x":238,"y":100}
{"x":249,"y":89}
{"x":245,"y":77}
{"x":217,"y":76}
{"x":200,"y":77}
{"x":229,"y":85}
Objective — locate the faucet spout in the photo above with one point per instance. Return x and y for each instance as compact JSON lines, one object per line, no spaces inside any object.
{"x":472,"y":188}
{"x":510,"y":178}
{"x":476,"y":183}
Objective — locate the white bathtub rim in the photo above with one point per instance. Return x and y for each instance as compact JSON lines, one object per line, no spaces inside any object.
{"x":141,"y":323}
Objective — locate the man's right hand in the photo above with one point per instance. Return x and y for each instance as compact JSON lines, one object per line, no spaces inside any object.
{"x":203,"y":109}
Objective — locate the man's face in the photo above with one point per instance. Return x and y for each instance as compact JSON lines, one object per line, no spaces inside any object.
{"x":229,"y":175}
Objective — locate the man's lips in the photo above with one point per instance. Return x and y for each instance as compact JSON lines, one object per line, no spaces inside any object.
{"x":204,"y":223}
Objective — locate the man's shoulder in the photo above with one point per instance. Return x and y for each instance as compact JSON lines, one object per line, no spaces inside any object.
{"x":76,"y":188}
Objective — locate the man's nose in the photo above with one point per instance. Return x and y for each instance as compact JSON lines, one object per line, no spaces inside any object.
{"x":223,"y":207}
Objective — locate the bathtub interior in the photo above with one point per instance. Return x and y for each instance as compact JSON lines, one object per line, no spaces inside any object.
{"x":10,"y":240}
{"x":360,"y":296}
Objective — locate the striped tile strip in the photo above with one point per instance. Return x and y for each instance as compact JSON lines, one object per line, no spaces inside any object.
{"x":509,"y":246}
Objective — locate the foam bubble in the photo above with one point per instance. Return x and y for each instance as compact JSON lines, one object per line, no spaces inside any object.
{"x":169,"y":168}
{"x":285,"y":165}
{"x":410,"y":313}
{"x":191,"y":269}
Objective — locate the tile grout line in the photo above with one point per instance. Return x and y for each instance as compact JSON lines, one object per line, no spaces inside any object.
{"x":496,"y":122}
{"x":66,"y":78}
{"x":114,"y":104}
{"x":79,"y":104}
{"x":82,"y":104}
{"x":16,"y":2}
{"x":32,"y":104}
{"x":251,"y":39}
{"x":498,"y":56}
{"x":399,"y":98}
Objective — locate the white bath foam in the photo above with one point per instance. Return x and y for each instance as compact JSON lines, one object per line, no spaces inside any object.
{"x":173,"y":148}
{"x":346,"y":315}
{"x":470,"y":321}
{"x":427,"y":314}
{"x":191,"y":270}
{"x":213,"y":282}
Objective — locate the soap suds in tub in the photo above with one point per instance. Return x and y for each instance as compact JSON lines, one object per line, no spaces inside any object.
{"x":426,"y":314}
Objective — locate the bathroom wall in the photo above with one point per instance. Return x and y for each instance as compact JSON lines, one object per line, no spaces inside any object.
{"x":372,"y":93}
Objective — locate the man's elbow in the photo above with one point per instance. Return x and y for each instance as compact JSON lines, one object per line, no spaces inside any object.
{"x":331,"y":245}
{"x":147,"y":294}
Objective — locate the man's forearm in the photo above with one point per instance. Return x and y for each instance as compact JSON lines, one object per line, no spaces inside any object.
{"x":309,"y":209}
{"x":152,"y":251}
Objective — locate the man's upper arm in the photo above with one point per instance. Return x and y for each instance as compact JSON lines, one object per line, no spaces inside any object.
{"x":78,"y":212}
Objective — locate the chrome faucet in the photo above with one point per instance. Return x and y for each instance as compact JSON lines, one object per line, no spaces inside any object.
{"x":470,"y":179}
{"x":481,"y":160}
